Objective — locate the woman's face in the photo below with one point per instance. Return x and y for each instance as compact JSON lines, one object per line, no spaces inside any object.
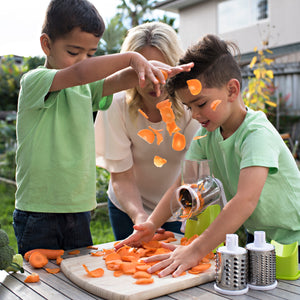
{"x":148,"y":92}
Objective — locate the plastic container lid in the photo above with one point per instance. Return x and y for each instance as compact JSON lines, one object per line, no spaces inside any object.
{"x":259,"y":243}
{"x":232,"y":245}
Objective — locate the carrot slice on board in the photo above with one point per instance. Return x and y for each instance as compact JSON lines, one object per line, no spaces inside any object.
{"x":147,"y":135}
{"x":144,"y":281}
{"x":53,"y":270}
{"x":167,"y":114}
{"x":215,"y":104}
{"x":118,"y":273}
{"x":92,"y":247}
{"x":172,"y":127}
{"x":141,"y":274}
{"x":178,"y":142}
{"x":164,"y":103}
{"x":153,"y":244}
{"x":74,"y":252}
{"x":128,"y":267}
{"x":159,"y":161}
{"x":199,"y":137}
{"x":94,"y":273}
{"x":163,"y":236}
{"x":143,"y":114}
{"x":199,"y":268}
{"x":112,"y":256}
{"x":194,"y":86}
{"x":33,"y":277}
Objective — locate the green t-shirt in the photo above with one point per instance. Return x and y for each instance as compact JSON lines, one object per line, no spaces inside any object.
{"x":55,"y":144}
{"x":257,"y":143}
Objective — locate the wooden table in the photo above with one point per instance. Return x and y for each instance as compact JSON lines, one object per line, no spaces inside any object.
{"x":58,"y":287}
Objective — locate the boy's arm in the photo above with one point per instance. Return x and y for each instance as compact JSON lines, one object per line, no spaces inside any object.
{"x":96,"y":68}
{"x":230,"y":219}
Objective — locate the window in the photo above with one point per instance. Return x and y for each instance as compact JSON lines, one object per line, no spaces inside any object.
{"x":235,"y":14}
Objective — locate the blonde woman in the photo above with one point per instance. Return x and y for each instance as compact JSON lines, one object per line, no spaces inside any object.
{"x":137,"y":185}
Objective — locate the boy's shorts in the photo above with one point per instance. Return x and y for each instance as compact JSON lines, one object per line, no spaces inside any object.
{"x":66,"y":231}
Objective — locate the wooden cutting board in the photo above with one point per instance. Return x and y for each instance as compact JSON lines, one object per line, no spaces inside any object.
{"x":123,"y":287}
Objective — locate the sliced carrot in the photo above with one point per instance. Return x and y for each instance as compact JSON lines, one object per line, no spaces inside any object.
{"x":142,"y":266}
{"x":112,"y":256}
{"x":33,"y":277}
{"x":199,"y":268}
{"x":159,"y":137}
{"x":53,"y":270}
{"x":210,"y":255}
{"x":199,"y":137}
{"x":163,"y":236}
{"x":74,"y":252}
{"x":114,"y":265}
{"x":59,"y":260}
{"x":215,"y":104}
{"x":195,"y":86}
{"x":128,"y":267}
{"x":118,"y":273}
{"x":38,"y":260}
{"x":167,"y":114}
{"x":172,"y":127}
{"x":178,"y":142}
{"x":159,"y":161}
{"x":144,"y":281}
{"x":143,"y":114}
{"x":165,"y":73}
{"x":94,"y":273}
{"x":147,"y":135}
{"x":50,"y":253}
{"x":169,"y":240}
{"x":153,"y":244}
{"x":141,"y":274}
{"x":92,"y":247}
{"x":164,"y":103}
{"x":205,"y":260}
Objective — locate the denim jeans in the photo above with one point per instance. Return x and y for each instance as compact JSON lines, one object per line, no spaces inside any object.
{"x":66,"y":231}
{"x":123,"y":226}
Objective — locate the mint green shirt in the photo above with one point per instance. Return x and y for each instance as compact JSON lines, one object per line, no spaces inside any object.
{"x":55,"y":144}
{"x":257,"y":143}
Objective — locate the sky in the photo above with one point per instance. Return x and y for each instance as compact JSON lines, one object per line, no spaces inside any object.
{"x":21,"y":22}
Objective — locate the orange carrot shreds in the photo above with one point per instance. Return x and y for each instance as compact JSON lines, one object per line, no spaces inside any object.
{"x":38,"y":260}
{"x":199,"y":137}
{"x":94,"y":273}
{"x":141,"y":274}
{"x":200,"y":268}
{"x":151,"y":244}
{"x":215,"y":104}
{"x":143,"y":114}
{"x":178,"y":142}
{"x":98,"y":253}
{"x":92,"y":247}
{"x":194,"y":86}
{"x":128,"y":267}
{"x":59,"y":260}
{"x":74,"y":252}
{"x":159,"y":161}
{"x":50,"y":253}
{"x":53,"y":270}
{"x":164,"y":103}
{"x":167,"y":114}
{"x":144,"y":281}
{"x":159,"y":137}
{"x":118,"y":273}
{"x":147,"y":135}
{"x":33,"y":277}
{"x":172,"y":127}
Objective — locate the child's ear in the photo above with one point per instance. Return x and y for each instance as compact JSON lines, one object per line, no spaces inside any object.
{"x":233,"y":88}
{"x":45,"y":43}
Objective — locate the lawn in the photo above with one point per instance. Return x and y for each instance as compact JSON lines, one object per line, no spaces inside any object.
{"x":100,"y":225}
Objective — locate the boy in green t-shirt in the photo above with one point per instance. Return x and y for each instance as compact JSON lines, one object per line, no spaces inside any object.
{"x":259,"y":174}
{"x":56,"y":184}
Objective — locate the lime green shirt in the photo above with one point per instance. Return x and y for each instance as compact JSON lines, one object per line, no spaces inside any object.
{"x":55,"y":144}
{"x":257,"y":143}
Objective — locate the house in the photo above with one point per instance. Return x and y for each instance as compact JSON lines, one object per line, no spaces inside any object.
{"x":264,"y":24}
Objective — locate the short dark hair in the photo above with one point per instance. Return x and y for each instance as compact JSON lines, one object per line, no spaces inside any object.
{"x":62,"y":16}
{"x":214,"y":64}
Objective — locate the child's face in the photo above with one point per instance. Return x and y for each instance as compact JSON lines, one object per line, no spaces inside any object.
{"x":209,"y":114}
{"x":71,"y":49}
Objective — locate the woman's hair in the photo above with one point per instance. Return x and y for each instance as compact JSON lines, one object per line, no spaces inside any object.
{"x":214,"y":64}
{"x":62,"y":16}
{"x":165,"y":39}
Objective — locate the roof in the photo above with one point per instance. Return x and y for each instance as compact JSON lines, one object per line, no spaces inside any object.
{"x":176,"y":5}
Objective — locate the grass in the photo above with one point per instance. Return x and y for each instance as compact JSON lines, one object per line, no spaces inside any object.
{"x":100,"y":226}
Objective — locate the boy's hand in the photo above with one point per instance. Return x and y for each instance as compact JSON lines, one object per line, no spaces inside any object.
{"x":143,"y":233}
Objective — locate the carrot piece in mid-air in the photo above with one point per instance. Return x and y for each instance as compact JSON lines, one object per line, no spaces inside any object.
{"x":178,"y":142}
{"x":167,"y":114}
{"x":194,"y":86}
{"x":159,"y":137}
{"x":143,"y":114}
{"x":164,"y":103}
{"x":199,"y":137}
{"x":172,"y":127}
{"x":215,"y":104}
{"x":147,"y":135}
{"x":159,"y":161}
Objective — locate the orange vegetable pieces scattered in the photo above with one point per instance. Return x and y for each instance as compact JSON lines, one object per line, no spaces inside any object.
{"x":59,"y":260}
{"x":159,"y":137}
{"x":141,"y":274}
{"x":118,"y":273}
{"x":159,"y":161}
{"x":200,"y":268}
{"x":53,"y":270}
{"x":128,"y":267}
{"x":94,"y":273}
{"x":33,"y":277}
{"x":164,"y":103}
{"x":194,"y":86}
{"x":215,"y":104}
{"x":143,"y":114}
{"x":147,"y":135}
{"x":172,"y":127}
{"x":74,"y":252}
{"x":38,"y":260}
{"x":163,"y":236}
{"x":167,"y":114}
{"x":142,"y":266}
{"x":144,"y":281}
{"x":178,"y":142}
{"x":112,"y":256}
{"x":49,"y":253}
{"x":153,"y":244}
{"x":199,"y":137}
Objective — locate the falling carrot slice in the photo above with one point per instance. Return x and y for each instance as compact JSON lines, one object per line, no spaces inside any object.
{"x":172,"y":127}
{"x":194,"y":86}
{"x":178,"y":142}
{"x":143,"y":114}
{"x":159,"y":161}
{"x":165,"y":103}
{"x":159,"y":137}
{"x":94,"y":273}
{"x":215,"y":104}
{"x":199,"y":137}
{"x":147,"y":135}
{"x":167,"y":114}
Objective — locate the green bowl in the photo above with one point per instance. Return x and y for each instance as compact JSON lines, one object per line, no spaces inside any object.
{"x":286,"y":261}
